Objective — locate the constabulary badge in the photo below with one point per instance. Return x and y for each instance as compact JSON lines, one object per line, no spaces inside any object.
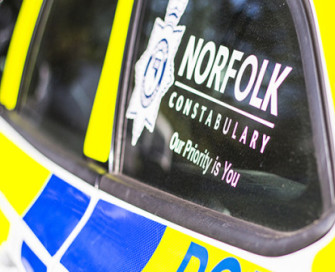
{"x":154,"y":71}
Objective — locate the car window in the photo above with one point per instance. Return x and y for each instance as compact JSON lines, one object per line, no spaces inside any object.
{"x":65,"y":62}
{"x":9,"y":10}
{"x":218,"y":111}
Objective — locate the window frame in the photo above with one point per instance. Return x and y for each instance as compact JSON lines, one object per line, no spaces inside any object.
{"x":236,"y":232}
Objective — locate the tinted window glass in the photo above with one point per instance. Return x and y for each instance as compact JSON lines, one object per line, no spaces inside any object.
{"x":70,"y":48}
{"x":218,"y":113}
{"x":8,"y":13}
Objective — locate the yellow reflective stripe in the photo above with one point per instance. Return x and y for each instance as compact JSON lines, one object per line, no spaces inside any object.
{"x":99,"y":133}
{"x":324,"y":11}
{"x":21,"y":178}
{"x":17,"y":53}
{"x":173,"y":248}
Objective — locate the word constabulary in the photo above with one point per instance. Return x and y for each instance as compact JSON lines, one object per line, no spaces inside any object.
{"x":215,"y":120}
{"x":206,"y":63}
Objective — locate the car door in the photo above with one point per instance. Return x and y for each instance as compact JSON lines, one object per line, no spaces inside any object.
{"x":166,"y":136}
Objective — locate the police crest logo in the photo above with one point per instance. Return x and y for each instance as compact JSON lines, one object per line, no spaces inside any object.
{"x":154,"y":71}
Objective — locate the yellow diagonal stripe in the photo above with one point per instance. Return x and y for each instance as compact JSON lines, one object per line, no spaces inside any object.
{"x":21,"y":180}
{"x":99,"y":133}
{"x":17,"y":52}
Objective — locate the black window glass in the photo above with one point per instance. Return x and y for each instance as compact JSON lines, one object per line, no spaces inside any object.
{"x":65,"y":64}
{"x":218,"y":111}
{"x":9,"y":10}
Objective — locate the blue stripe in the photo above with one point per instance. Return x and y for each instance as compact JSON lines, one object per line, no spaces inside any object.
{"x":114,"y":239}
{"x":30,"y":261}
{"x":56,"y":212}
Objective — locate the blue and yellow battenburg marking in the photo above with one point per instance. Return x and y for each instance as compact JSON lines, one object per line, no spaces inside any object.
{"x":112,"y":239}
{"x":56,"y":212}
{"x":116,"y":239}
{"x":180,"y":252}
{"x":21,"y":179}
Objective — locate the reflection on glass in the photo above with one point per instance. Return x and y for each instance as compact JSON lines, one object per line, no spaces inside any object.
{"x":8,"y":14}
{"x":236,"y":130}
{"x":66,"y":71}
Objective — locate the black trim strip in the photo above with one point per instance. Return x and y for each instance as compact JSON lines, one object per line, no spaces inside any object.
{"x":213,"y":224}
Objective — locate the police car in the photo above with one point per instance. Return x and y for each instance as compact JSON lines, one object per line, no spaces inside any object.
{"x":167,"y":136}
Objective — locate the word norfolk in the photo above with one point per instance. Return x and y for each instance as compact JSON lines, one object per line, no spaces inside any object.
{"x":218,"y":71}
